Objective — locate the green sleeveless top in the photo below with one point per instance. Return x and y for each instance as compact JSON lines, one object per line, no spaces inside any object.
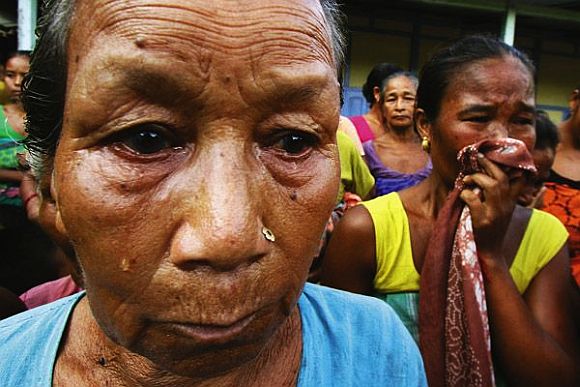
{"x":10,"y":145}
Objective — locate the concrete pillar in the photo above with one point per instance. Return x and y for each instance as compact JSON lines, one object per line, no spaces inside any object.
{"x":509,"y":24}
{"x":26,"y":24}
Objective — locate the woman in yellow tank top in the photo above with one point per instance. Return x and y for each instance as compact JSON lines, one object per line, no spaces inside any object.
{"x":477,"y":89}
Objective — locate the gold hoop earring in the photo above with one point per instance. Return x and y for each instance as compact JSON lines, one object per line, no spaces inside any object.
{"x":426,"y":145}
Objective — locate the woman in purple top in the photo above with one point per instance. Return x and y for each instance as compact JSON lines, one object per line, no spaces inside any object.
{"x":388,"y":180}
{"x":395,"y":157}
{"x":370,"y":124}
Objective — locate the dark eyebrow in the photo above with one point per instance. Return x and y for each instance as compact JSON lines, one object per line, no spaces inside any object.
{"x":300,"y":94}
{"x":527,"y":108}
{"x":152,"y":83}
{"x":470,"y":109}
{"x":479,"y":108}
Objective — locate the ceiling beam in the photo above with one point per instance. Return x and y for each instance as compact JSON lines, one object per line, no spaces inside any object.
{"x":551,"y":13}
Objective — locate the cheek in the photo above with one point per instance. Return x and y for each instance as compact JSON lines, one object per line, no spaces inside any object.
{"x":111,"y":229}
{"x":527,"y":137}
{"x":303,"y":210}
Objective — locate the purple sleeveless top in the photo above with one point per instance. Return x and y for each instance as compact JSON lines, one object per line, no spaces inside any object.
{"x":362,"y":128}
{"x":388,"y":180}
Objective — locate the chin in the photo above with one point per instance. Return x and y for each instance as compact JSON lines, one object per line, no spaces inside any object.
{"x":192,"y":351}
{"x":207,"y":365}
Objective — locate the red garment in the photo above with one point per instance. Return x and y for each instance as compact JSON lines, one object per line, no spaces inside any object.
{"x":49,"y":292}
{"x":453,"y":323}
{"x":562,"y":199}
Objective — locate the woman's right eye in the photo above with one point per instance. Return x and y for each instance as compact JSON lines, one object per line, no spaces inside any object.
{"x":478,"y":119}
{"x":146,"y":140}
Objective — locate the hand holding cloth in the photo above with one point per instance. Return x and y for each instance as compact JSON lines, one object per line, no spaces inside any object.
{"x":453,"y":322}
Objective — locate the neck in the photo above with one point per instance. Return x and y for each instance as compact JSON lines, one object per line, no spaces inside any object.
{"x":567,"y":140}
{"x":375,"y":117}
{"x":434,"y":194}
{"x":14,"y":106}
{"x":403,"y":134}
{"x":278,"y":361}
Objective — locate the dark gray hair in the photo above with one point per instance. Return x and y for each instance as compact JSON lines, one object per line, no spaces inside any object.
{"x":407,"y":74}
{"x":45,"y":85}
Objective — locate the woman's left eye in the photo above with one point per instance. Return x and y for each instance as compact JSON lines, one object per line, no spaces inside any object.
{"x":147,"y":140}
{"x":296,"y":143}
{"x":524,"y":121}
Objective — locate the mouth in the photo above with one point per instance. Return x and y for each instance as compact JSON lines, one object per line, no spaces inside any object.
{"x":213,"y":334}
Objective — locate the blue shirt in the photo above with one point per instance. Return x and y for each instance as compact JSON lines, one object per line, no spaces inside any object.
{"x":348,"y":340}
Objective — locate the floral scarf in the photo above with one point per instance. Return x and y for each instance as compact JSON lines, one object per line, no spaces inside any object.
{"x":453,"y":323}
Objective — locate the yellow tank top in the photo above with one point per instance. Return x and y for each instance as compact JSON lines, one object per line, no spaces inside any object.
{"x":544,"y":237}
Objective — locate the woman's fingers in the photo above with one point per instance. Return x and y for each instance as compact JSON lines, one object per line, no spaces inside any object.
{"x":472,"y":198}
{"x":490,"y":168}
{"x":490,"y":187}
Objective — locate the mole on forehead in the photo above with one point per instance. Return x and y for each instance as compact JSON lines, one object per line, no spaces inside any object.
{"x":220,"y":26}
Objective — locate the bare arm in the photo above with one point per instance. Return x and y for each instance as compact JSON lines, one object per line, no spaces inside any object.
{"x":533,"y":336}
{"x":350,"y":262}
{"x":10,"y":175}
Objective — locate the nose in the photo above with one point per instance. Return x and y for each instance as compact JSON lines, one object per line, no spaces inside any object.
{"x":399,"y":104}
{"x":497,"y":130}
{"x":220,"y":212}
{"x":18,"y":80}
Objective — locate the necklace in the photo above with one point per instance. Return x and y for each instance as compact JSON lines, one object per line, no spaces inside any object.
{"x":9,"y":144}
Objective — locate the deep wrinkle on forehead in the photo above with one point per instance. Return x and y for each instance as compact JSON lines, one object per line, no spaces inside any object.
{"x":285,"y":31}
{"x":139,"y":78}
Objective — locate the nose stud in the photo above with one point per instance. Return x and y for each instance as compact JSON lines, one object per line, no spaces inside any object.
{"x":268,"y":234}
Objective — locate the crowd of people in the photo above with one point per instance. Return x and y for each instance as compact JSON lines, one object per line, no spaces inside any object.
{"x":211,"y":219}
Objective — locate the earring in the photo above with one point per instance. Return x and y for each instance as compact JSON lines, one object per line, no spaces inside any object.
{"x":426,"y":144}
{"x":268,"y":234}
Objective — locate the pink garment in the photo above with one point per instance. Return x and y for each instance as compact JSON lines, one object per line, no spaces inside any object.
{"x":49,"y":292}
{"x":362,"y":128}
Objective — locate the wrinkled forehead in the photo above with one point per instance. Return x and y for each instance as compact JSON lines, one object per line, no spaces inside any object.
{"x":267,"y":31}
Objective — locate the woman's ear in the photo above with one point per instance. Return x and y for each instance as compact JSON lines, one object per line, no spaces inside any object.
{"x":422,"y":124}
{"x":49,"y":215}
{"x":574,"y":102}
{"x":377,"y":94}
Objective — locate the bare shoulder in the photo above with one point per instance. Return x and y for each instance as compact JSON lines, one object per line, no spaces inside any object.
{"x":350,"y":262}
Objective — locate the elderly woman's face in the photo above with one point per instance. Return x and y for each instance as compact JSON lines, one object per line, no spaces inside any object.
{"x":399,"y":102}
{"x":188,"y":127}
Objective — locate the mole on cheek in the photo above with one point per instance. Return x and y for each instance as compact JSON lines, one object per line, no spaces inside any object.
{"x":294,"y":195}
{"x":140,"y":42}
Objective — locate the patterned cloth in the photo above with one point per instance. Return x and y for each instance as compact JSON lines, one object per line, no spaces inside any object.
{"x":388,"y":180}
{"x":406,"y":304}
{"x":455,"y":339}
{"x":562,"y":199}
